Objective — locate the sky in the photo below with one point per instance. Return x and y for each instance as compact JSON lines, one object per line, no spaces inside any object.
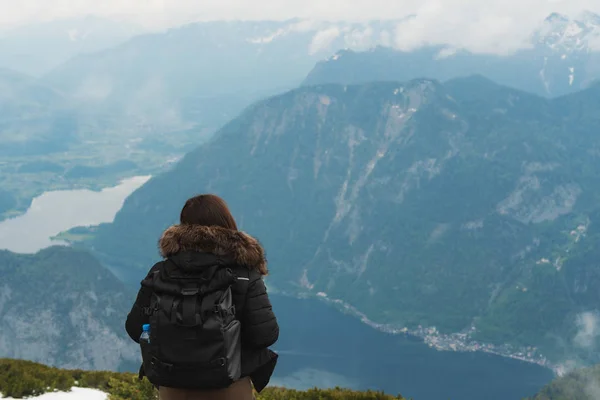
{"x":173,"y":12}
{"x":475,"y":24}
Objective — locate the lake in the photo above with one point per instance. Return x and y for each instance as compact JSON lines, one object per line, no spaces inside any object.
{"x":54,"y":212}
{"x":319,"y":346}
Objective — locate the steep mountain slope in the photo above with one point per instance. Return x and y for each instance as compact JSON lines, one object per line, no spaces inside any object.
{"x":564,"y":58}
{"x":456,"y":206}
{"x":36,"y":49}
{"x":61,"y":307}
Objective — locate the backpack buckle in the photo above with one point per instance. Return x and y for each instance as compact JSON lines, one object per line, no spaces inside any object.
{"x":190,"y":291}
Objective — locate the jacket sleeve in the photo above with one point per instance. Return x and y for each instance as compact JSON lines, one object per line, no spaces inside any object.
{"x":259,"y":324}
{"x":136,"y":317}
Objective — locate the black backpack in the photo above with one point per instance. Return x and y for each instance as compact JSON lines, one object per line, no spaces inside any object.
{"x":195,"y":340}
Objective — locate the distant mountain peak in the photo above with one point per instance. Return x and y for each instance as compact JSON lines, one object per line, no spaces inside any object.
{"x":556,"y":17}
{"x":562,"y":33}
{"x":589,"y":17}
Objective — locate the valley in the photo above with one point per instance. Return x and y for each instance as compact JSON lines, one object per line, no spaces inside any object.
{"x":24,"y":178}
{"x":427,"y":212}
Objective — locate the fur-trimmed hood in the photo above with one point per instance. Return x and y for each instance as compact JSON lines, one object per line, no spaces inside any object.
{"x":241,"y":247}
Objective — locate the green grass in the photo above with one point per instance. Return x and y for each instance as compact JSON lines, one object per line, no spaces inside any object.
{"x":21,"y":379}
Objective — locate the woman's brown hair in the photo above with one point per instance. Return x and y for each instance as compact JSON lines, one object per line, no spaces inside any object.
{"x":207,"y":210}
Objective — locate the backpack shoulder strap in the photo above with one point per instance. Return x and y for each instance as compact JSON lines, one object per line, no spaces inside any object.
{"x":240,"y":287}
{"x":149,"y":280}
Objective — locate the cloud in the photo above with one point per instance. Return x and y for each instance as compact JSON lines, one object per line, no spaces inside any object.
{"x":588,"y":330}
{"x":361,"y":39}
{"x":323,"y":39}
{"x":497,"y":26}
{"x":173,"y":12}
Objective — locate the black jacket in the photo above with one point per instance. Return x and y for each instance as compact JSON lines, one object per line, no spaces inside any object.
{"x":192,"y":246}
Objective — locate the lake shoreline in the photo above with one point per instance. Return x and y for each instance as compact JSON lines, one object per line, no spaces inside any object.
{"x":456,"y":342}
{"x":314,"y":336}
{"x":57,"y":211}
{"x":95,"y":186}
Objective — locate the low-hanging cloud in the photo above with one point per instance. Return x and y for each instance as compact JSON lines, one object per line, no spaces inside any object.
{"x":323,"y":39}
{"x":496,"y":26}
{"x":499,"y":27}
{"x":588,"y":330}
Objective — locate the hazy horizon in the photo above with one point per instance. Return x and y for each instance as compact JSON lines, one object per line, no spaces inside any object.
{"x":491,"y":26}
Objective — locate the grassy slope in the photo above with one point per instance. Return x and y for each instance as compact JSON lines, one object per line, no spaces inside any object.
{"x":25,"y":378}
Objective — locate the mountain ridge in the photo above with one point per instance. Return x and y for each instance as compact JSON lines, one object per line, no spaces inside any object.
{"x":39,"y":47}
{"x":561,"y":60}
{"x":130,"y":78}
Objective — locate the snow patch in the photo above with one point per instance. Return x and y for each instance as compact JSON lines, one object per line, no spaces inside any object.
{"x":75,"y":394}
{"x":268,"y":38}
{"x":573,"y":29}
{"x":571,"y":76}
{"x":446,"y":53}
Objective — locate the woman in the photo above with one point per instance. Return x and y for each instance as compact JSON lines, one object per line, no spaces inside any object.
{"x":207,"y":235}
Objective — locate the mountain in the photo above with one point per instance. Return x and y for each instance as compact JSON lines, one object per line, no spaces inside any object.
{"x":467,"y":206}
{"x":34,"y":119}
{"x":22,"y":378}
{"x":36,"y":49}
{"x":581,"y":384}
{"x":206,"y":72}
{"x":7,"y":201}
{"x":564,"y":57}
{"x":61,"y":307}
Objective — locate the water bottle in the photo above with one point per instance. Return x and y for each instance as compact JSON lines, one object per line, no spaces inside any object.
{"x":145,"y":337}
